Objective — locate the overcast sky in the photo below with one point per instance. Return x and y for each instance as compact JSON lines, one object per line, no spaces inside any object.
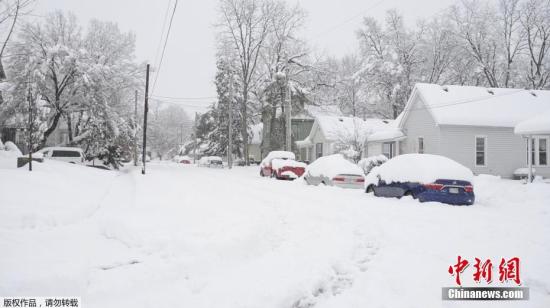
{"x":189,"y":65}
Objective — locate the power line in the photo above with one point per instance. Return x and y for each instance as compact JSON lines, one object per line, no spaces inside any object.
{"x":164,"y":19}
{"x":164,"y":47}
{"x":347,"y":20}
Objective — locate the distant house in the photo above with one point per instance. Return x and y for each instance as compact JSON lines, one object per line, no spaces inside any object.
{"x":472,"y":125}
{"x":336,"y":134}
{"x":254,"y":146}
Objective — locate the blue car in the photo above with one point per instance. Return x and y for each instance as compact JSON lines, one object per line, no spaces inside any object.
{"x":407,"y":175}
{"x":445,"y":191}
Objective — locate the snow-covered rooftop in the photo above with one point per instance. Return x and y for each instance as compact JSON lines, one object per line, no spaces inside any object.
{"x":344,"y":128}
{"x":479,"y":106}
{"x":313,"y":111}
{"x":539,"y":124}
{"x":393,"y":133}
{"x":336,"y":128}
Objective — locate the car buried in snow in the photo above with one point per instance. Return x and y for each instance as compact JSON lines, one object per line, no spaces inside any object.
{"x":71,"y":155}
{"x":424,"y":177}
{"x":211,"y":162}
{"x":334,"y":170}
{"x":186,"y":160}
{"x":281,"y":165}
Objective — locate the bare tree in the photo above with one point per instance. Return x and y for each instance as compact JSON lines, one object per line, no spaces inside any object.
{"x":536,"y":22}
{"x":245,"y":25}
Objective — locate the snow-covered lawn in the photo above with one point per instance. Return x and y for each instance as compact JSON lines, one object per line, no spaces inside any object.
{"x":183,"y":236}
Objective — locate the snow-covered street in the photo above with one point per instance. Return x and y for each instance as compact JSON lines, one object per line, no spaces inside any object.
{"x":201,"y":237}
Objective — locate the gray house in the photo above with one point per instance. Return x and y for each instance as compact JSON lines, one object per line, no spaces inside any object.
{"x":471,"y":125}
{"x":338,"y":134}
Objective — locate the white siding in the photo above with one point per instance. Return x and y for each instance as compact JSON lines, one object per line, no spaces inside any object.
{"x":373,"y":149}
{"x":420,"y":123}
{"x":505,"y":151}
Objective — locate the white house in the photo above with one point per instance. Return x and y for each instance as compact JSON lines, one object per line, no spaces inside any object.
{"x":334,"y":134}
{"x":472,"y":125}
{"x":254,"y":146}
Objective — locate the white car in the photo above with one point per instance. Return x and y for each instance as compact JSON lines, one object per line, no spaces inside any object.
{"x":211,"y":162}
{"x":67,"y":154}
{"x":334,"y":170}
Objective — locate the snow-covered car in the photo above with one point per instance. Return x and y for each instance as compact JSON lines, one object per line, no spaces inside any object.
{"x":67,"y":154}
{"x":334,"y":170}
{"x":368,"y":163}
{"x":425,"y":177}
{"x":182,"y":159}
{"x":211,"y":162}
{"x":285,"y":167}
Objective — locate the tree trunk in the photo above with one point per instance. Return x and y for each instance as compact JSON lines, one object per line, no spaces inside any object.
{"x":50,"y":129}
{"x":70,"y":128}
{"x":244,"y":128}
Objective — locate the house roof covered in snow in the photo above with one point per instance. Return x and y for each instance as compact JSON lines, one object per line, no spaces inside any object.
{"x":477,"y":106}
{"x":390,"y":132}
{"x":537,"y":125}
{"x":343,"y":128}
{"x":313,"y":111}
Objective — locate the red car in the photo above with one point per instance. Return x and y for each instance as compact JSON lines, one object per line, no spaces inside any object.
{"x":281,"y":165}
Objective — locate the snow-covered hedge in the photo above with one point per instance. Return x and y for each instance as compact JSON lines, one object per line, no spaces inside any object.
{"x":368,"y":163}
{"x":11,"y":147}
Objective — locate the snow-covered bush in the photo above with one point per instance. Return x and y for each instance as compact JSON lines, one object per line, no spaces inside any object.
{"x":370,"y":162}
{"x":11,"y":147}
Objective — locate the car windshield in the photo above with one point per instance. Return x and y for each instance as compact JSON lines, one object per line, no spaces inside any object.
{"x":65,"y":153}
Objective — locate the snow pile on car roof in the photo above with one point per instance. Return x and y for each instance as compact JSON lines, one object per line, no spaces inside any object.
{"x":278,"y":154}
{"x":279,"y":163}
{"x":421,"y":168}
{"x":333,"y":165}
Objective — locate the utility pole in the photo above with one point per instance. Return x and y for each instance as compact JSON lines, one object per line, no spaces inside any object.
{"x":29,"y":99}
{"x":288,"y":117}
{"x":135,"y":128}
{"x":230,"y":130}
{"x":145,"y":110}
{"x":195,"y":146}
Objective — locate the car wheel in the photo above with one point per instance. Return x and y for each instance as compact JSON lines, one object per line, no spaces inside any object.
{"x":370,"y":189}
{"x":409,"y":193}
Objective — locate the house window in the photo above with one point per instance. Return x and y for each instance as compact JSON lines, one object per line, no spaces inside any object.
{"x":318,"y":150}
{"x":387,"y":149}
{"x":481,"y":151}
{"x":421,"y":145}
{"x":543,"y":152}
